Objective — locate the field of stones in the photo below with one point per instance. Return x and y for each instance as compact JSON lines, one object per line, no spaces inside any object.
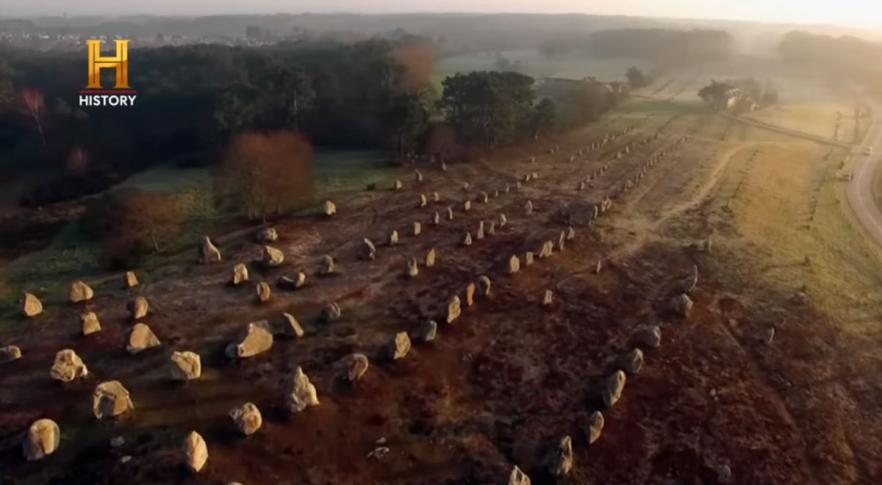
{"x":586,"y":309}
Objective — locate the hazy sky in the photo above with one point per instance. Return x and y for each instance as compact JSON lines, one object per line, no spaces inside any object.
{"x":848,"y":12}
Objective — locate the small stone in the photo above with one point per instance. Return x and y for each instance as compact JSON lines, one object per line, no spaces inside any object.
{"x":90,"y":323}
{"x":449,"y":213}
{"x":111,"y":399}
{"x":599,"y":267}
{"x":502,"y":221}
{"x":417,"y":229}
{"x":467,"y":240}
{"x":681,"y":305}
{"x":209,"y":253}
{"x":397,"y":185}
{"x":272,"y":257}
{"x":547,"y":250}
{"x":264,"y":292}
{"x":141,"y":338}
{"x":255,"y":338}
{"x":491,"y":228}
{"x":430,"y":258}
{"x":560,"y":462}
{"x":301,"y":393}
{"x":195,"y":452}
{"x":570,"y":234}
{"x":354,"y":366}
{"x":329,"y":208}
{"x":41,"y":440}
{"x":31,"y":305}
{"x":331,"y":313}
{"x":548,"y":298}
{"x":470,"y":294}
{"x":80,"y":291}
{"x":688,"y":283}
{"x":514,"y":264}
{"x":528,"y":208}
{"x":436,"y":219}
{"x":484,"y":198}
{"x":418,"y":176}
{"x":649,"y":337}
{"x":139,"y":308}
{"x":398,"y":347}
{"x":240,"y":274}
{"x":768,"y":336}
{"x":484,"y":286}
{"x":9,"y":353}
{"x":632,"y":362}
{"x":428,"y":331}
{"x":117,"y":442}
{"x":612,"y":389}
{"x":413,"y":267}
{"x":297,"y":282}
{"x":436,"y":197}
{"x":454,"y":309}
{"x":517,"y":477}
{"x":528,"y":258}
{"x":185,"y":366}
{"x":246,"y":418}
{"x":68,"y":366}
{"x":290,"y":327}
{"x":327,"y":266}
{"x":594,"y":427}
{"x":467,"y":206}
{"x":423,"y":201}
{"x":480,"y":234}
{"x":393,"y":238}
{"x":267,"y":235}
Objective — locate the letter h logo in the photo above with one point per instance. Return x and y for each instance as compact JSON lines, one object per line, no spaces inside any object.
{"x":118,"y":61}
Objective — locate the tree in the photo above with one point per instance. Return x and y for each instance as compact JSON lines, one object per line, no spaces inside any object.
{"x":34,"y":103}
{"x":715,"y":93}
{"x":636,"y":78}
{"x":544,"y":117}
{"x":266,"y":174}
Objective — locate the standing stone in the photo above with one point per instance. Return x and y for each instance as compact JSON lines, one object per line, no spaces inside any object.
{"x":480,"y":233}
{"x":436,"y":219}
{"x":399,"y":346}
{"x":354,"y":366}
{"x":454,"y":309}
{"x":491,"y":228}
{"x":514,"y":264}
{"x":612,"y":389}
{"x":436,"y":197}
{"x":111,"y":399}
{"x":632,"y":362}
{"x":290,"y":327}
{"x":90,"y":323}
{"x":594,"y":427}
{"x":267,"y":235}
{"x":428,"y":330}
{"x":560,"y":463}
{"x":297,"y":282}
{"x":246,"y":418}
{"x":467,"y":240}
{"x":571,"y":233}
{"x":254,"y":339}
{"x":31,"y":305}
{"x":443,"y":167}
{"x":449,"y":213}
{"x":484,"y":198}
{"x":393,"y":238}
{"x":423,"y":201}
{"x":141,"y":338}
{"x":195,"y":452}
{"x":470,"y":294}
{"x":331,"y":313}
{"x":547,"y":250}
{"x":528,"y":258}
{"x":240,"y":274}
{"x":264,"y":292}
{"x":417,"y":228}
{"x":185,"y":366}
{"x":517,"y":477}
{"x":398,"y":185}
{"x":139,"y":308}
{"x":548,"y":298}
{"x":528,"y":208}
{"x":430,"y":258}
{"x":130,"y":280}
{"x":418,"y":176}
{"x":68,"y":366}
{"x":484,"y":286}
{"x":599,"y":267}
{"x":649,"y":337}
{"x":301,"y":393}
{"x":688,"y":283}
{"x":681,"y":305}
{"x":80,"y":291}
{"x":467,"y":206}
{"x":208,"y":252}
{"x":41,"y":440}
{"x":413,"y":267}
{"x":708,"y":245}
{"x":9,"y":353}
{"x":327,"y":266}
{"x":561,"y":241}
{"x":329,"y":208}
{"x":272,"y":257}
{"x":368,"y":250}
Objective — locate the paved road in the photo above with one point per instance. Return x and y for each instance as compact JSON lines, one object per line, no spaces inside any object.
{"x":860,"y":190}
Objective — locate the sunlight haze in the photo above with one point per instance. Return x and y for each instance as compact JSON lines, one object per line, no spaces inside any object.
{"x":846,"y":12}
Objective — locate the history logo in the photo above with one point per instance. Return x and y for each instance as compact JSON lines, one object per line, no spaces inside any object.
{"x":122,"y":93}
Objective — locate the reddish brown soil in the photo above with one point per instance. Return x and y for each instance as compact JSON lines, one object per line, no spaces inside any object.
{"x":498,"y":388}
